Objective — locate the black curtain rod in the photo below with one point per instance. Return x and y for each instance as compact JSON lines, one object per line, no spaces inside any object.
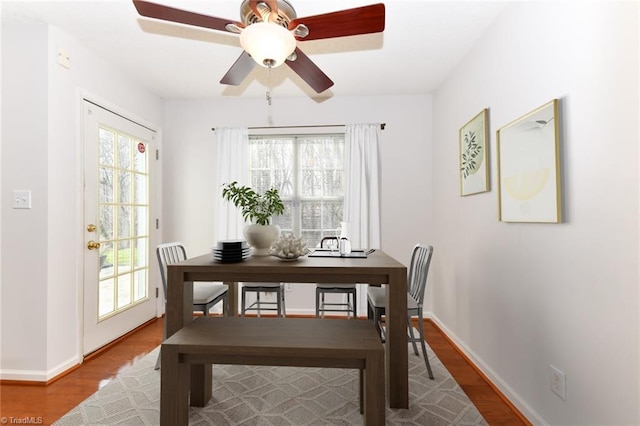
{"x":382,"y":126}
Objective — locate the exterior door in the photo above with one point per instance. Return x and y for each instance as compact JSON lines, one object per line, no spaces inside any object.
{"x":118,"y":172}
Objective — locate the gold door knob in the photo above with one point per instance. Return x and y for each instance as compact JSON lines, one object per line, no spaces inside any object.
{"x":91,"y":228}
{"x":93,"y":245}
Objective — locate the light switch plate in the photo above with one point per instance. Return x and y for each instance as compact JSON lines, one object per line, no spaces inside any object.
{"x":22,"y":199}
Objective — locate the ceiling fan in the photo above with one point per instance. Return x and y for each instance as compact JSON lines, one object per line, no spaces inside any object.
{"x":269,"y":31}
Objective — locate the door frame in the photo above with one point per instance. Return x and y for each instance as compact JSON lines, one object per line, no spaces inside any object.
{"x":155,"y":203}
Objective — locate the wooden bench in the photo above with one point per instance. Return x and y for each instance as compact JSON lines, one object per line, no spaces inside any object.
{"x":294,"y":342}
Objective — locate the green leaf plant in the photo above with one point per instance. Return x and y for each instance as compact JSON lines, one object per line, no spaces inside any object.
{"x":256,"y":208}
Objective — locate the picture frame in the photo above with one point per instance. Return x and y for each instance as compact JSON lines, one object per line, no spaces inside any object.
{"x":474,"y":159}
{"x":528,"y":169}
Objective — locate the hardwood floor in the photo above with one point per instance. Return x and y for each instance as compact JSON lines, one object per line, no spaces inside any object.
{"x":51,"y":402}
{"x":493,"y":406}
{"x":45,"y":404}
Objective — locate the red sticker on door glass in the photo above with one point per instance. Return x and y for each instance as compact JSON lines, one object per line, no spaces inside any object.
{"x":141,"y":148}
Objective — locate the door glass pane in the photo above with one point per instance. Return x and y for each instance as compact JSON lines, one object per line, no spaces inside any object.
{"x":141,"y":221}
{"x":140,"y":254}
{"x":106,"y":147}
{"x":124,"y":290}
{"x":124,"y":221}
{"x":124,"y":187}
{"x":106,"y":222}
{"x":139,"y":285}
{"x":106,"y":293}
{"x":124,"y":256}
{"x":140,"y":189}
{"x":106,"y":259}
{"x":106,"y":185}
{"x":124,"y":217}
{"x":124,"y":152}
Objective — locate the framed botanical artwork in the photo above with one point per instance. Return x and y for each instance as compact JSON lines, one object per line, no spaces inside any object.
{"x":474,"y":141}
{"x":529,"y":167}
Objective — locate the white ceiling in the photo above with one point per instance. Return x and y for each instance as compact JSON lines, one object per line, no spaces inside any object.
{"x":422,"y":42}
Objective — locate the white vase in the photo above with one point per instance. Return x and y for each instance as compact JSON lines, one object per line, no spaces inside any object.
{"x":260,"y":238}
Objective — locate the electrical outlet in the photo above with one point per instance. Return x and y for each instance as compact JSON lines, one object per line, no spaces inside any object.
{"x":64,"y":60}
{"x":558,"y":382}
{"x":268,"y":296}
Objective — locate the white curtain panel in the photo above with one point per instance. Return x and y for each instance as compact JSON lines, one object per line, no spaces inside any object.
{"x":362,"y":192}
{"x":231,"y":151}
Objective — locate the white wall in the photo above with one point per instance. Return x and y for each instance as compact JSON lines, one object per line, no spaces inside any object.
{"x":519,"y":297}
{"x":189,"y":168}
{"x":24,"y":166}
{"x":43,"y":247}
{"x":515,"y":297}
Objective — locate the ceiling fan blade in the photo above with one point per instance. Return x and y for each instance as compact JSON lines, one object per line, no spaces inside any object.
{"x":309,"y":72}
{"x":239,"y":70}
{"x":166,"y":13}
{"x":360,"y":20}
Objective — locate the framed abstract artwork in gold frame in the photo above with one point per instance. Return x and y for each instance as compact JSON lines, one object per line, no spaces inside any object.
{"x":529,"y":167}
{"x":474,"y":141}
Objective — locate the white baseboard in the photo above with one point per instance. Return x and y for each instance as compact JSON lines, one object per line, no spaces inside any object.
{"x":24,"y":375}
{"x":524,"y":408}
{"x":38,"y":375}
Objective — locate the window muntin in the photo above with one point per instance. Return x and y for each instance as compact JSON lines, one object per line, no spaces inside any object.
{"x":308,"y":172}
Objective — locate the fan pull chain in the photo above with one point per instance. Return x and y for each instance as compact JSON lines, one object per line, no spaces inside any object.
{"x":268,"y":94}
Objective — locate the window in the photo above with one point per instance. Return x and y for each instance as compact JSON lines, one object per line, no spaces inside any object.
{"x":308,"y":171}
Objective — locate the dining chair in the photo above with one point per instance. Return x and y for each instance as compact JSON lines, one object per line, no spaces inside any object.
{"x":260,"y":305}
{"x":344,"y":289}
{"x":416,"y":285}
{"x":205,"y":294}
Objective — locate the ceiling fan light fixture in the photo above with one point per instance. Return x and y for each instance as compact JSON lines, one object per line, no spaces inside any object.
{"x":268,"y":44}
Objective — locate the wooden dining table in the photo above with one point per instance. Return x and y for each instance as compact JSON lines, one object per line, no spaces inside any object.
{"x":376,"y":269}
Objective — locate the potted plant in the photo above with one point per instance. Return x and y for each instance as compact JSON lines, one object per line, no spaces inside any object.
{"x":258,"y":209}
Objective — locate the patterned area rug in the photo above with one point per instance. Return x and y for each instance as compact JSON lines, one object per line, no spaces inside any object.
{"x":286,"y":396}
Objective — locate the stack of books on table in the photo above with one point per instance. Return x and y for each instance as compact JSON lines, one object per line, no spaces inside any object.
{"x":230,"y":251}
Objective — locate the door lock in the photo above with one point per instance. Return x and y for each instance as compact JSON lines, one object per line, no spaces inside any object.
{"x":93,"y":245}
{"x":91,"y":228}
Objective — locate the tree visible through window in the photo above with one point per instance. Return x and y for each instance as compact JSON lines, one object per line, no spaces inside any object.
{"x":308,"y":171}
